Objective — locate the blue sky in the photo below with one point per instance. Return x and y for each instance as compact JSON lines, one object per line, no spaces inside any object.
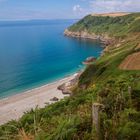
{"x":62,"y":9}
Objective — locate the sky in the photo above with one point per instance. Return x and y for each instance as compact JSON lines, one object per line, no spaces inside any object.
{"x":62,"y":9}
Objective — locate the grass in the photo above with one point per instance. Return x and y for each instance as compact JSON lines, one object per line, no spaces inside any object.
{"x":113,"y":26}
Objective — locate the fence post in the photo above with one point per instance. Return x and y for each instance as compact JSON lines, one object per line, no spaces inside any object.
{"x":96,"y":108}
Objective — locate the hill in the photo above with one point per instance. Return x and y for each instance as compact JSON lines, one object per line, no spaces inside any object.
{"x":106,"y":102}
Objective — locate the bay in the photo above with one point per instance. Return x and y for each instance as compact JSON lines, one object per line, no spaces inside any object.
{"x":34,"y":53}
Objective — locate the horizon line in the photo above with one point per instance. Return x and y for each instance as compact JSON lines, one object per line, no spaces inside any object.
{"x":38,"y":19}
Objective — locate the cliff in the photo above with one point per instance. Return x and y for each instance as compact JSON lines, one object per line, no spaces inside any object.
{"x":103,"y":38}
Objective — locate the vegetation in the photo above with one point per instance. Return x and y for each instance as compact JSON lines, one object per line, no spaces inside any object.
{"x":113,"y":26}
{"x":102,"y":82}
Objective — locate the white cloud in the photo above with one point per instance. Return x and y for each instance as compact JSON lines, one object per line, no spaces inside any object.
{"x":115,"y":5}
{"x":77,"y":8}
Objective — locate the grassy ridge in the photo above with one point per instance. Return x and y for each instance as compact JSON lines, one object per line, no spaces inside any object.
{"x":102,"y":82}
{"x":113,"y":26}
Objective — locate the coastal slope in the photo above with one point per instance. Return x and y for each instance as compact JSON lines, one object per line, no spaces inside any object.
{"x":106,"y":102}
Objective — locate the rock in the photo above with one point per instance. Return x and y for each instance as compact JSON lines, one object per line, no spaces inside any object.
{"x":89,"y":60}
{"x":66,"y":91}
{"x":61,"y":87}
{"x":54,"y":99}
{"x":66,"y":87}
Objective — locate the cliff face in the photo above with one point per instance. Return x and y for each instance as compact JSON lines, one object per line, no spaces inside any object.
{"x":104,"y":38}
{"x":105,"y":28}
{"x":111,"y":30}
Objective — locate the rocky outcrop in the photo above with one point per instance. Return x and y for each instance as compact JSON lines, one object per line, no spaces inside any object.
{"x":104,"y":38}
{"x":89,"y":60}
{"x":66,"y":88}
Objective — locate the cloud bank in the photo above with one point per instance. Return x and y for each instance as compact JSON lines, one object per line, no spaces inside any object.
{"x":106,"y":6}
{"x":101,"y":6}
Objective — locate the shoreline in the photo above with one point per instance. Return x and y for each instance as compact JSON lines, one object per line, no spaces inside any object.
{"x":13,"y":107}
{"x":28,"y":89}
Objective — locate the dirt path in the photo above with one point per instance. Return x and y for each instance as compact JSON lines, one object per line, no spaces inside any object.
{"x":131,"y":62}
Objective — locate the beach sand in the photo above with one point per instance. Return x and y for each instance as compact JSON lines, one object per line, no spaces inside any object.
{"x":13,"y":107}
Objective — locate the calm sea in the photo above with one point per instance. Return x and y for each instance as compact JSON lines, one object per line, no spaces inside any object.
{"x":34,"y":53}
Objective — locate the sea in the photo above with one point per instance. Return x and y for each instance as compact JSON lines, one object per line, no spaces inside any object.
{"x":35,"y":52}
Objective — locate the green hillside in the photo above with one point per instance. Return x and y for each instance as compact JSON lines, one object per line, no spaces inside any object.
{"x":103,"y":83}
{"x":114,"y":26}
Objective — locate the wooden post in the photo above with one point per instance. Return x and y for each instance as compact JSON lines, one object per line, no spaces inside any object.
{"x":96,"y":107}
{"x":130,"y":92}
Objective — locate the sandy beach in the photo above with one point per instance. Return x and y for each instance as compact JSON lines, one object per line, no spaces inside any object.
{"x":13,"y":107}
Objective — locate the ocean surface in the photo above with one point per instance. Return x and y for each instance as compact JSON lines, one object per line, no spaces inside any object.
{"x":34,"y":53}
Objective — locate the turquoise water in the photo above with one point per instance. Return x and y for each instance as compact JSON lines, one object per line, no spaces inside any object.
{"x":34,"y":53}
